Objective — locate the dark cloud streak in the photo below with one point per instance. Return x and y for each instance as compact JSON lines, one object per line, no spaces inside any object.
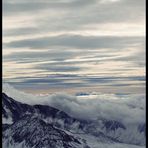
{"x":76,"y":41}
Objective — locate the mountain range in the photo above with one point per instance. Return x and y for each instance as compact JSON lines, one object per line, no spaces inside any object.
{"x":43,"y":126}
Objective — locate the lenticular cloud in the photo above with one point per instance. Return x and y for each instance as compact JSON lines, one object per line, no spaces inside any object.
{"x":124,"y":108}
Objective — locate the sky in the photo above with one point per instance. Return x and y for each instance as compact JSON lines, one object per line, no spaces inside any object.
{"x":74,"y":45}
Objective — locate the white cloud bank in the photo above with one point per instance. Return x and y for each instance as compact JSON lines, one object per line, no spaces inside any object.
{"x":126,"y":109}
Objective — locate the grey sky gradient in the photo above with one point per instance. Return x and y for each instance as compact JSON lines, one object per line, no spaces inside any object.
{"x":77,"y":44}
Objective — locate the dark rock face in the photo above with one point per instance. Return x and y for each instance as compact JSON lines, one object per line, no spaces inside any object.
{"x":142,"y":128}
{"x":13,"y":108}
{"x":34,"y":132}
{"x":113,"y":125}
{"x":5,"y":126}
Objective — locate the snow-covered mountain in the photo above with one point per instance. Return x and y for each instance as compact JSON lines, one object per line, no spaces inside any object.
{"x":43,"y":126}
{"x":31,"y":131}
{"x":24,"y":127}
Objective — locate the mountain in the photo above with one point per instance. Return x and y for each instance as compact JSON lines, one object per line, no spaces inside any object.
{"x":23,"y":126}
{"x":31,"y":131}
{"x":40,"y":126}
{"x":14,"y":110}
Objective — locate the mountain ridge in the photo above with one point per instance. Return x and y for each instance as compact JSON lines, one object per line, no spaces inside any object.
{"x":61,"y":120}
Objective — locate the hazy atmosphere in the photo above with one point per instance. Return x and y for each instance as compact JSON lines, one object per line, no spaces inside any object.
{"x":74,"y":46}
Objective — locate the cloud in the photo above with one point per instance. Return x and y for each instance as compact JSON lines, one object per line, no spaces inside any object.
{"x":97,"y":37}
{"x":27,"y":6}
{"x":94,"y":67}
{"x":91,"y":8}
{"x":76,"y":41}
{"x":72,"y":17}
{"x":123,"y":108}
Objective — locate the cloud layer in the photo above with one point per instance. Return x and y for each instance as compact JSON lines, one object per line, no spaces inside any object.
{"x":123,"y":108}
{"x":88,"y":44}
